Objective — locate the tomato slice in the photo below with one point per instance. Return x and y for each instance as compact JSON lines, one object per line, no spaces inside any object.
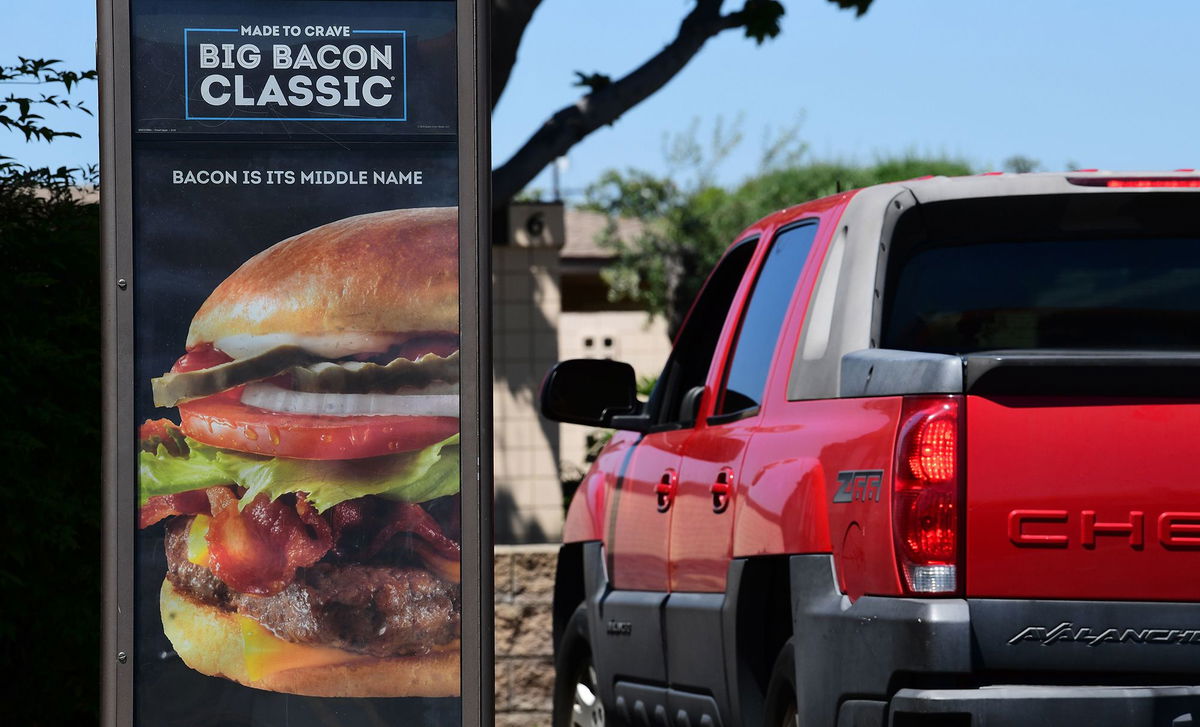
{"x":222,"y":421}
{"x":203,"y":356}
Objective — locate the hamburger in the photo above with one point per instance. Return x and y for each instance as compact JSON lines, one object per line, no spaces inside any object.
{"x":309,"y":490}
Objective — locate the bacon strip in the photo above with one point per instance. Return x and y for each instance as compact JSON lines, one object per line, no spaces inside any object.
{"x":194,"y":502}
{"x":364,"y":527}
{"x":154,"y":432}
{"x":257,"y":549}
{"x":351,"y":522}
{"x":407,"y":517}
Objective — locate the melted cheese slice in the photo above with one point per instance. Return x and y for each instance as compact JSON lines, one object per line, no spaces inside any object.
{"x":266,"y":653}
{"x":197,"y":540}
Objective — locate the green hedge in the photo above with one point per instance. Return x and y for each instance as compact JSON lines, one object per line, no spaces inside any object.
{"x":50,"y":444}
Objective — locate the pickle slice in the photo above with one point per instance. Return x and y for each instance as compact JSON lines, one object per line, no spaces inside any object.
{"x":172,"y":388}
{"x":358,"y":377}
{"x":309,"y":373}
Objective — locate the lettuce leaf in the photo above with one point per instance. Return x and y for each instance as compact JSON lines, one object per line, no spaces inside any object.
{"x":411,"y":476}
{"x":162,"y":473}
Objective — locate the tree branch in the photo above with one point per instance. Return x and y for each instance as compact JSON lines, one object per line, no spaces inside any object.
{"x":604,"y":106}
{"x":509,"y":20}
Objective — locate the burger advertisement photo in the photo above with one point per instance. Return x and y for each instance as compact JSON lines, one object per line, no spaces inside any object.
{"x":308,"y":493}
{"x":297,"y":359}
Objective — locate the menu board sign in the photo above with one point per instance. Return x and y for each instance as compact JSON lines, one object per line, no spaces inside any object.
{"x":297,"y":362}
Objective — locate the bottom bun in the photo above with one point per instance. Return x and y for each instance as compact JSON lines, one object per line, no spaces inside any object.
{"x":225,"y":644}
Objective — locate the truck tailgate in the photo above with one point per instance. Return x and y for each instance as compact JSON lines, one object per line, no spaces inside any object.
{"x":1082,"y":498}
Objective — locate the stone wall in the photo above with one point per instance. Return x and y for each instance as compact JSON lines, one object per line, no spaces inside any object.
{"x":524,"y":652}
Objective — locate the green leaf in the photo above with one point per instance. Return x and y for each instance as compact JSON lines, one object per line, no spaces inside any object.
{"x":762,"y":19}
{"x":860,"y":6}
{"x":411,"y":476}
{"x":161,"y":473}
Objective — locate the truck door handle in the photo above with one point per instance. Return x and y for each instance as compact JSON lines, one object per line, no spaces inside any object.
{"x":722,"y":490}
{"x":665,"y":489}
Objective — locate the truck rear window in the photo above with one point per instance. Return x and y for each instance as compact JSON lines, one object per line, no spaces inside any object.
{"x":1135,"y":293}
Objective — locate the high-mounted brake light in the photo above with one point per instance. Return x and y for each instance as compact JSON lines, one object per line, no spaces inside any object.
{"x":1153,"y":183}
{"x":1136,"y":182}
{"x":926,"y":496}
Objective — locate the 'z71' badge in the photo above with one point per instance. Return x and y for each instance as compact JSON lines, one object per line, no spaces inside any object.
{"x":859,"y":486}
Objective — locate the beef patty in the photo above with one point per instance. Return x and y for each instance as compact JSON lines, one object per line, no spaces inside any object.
{"x":368,"y":609}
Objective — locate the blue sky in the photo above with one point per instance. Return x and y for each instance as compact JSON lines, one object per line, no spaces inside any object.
{"x":1099,"y":83}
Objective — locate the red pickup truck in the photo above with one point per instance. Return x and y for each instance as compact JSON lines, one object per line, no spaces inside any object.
{"x":923,"y":453}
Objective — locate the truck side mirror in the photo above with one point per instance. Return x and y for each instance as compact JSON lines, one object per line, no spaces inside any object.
{"x":589,"y":391}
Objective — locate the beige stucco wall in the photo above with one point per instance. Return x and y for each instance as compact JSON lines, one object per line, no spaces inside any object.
{"x":529,"y":505}
{"x":530,"y":332}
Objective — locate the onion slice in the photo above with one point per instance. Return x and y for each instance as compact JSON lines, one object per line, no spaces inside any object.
{"x":275,"y":398}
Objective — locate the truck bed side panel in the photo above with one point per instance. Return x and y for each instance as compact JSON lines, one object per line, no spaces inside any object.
{"x":817,"y":479}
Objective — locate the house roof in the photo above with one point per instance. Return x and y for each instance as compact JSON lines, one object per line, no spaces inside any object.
{"x":583,"y":229}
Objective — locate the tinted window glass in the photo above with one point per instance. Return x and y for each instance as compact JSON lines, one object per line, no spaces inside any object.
{"x":1108,"y":293}
{"x":755,"y":346}
{"x":697,"y":340}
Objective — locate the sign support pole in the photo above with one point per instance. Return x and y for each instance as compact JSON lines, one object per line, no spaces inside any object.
{"x":475,"y":171}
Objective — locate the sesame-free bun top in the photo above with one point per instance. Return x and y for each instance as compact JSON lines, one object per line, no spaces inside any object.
{"x":386,"y":272}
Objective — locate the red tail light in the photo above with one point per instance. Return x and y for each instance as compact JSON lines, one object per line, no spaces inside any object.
{"x":927,"y":492}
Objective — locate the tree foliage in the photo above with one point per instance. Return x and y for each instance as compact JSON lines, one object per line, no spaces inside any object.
{"x":606,"y":98}
{"x":1021,"y":164}
{"x":50,"y":443}
{"x":20,"y":113}
{"x":686,"y":230}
